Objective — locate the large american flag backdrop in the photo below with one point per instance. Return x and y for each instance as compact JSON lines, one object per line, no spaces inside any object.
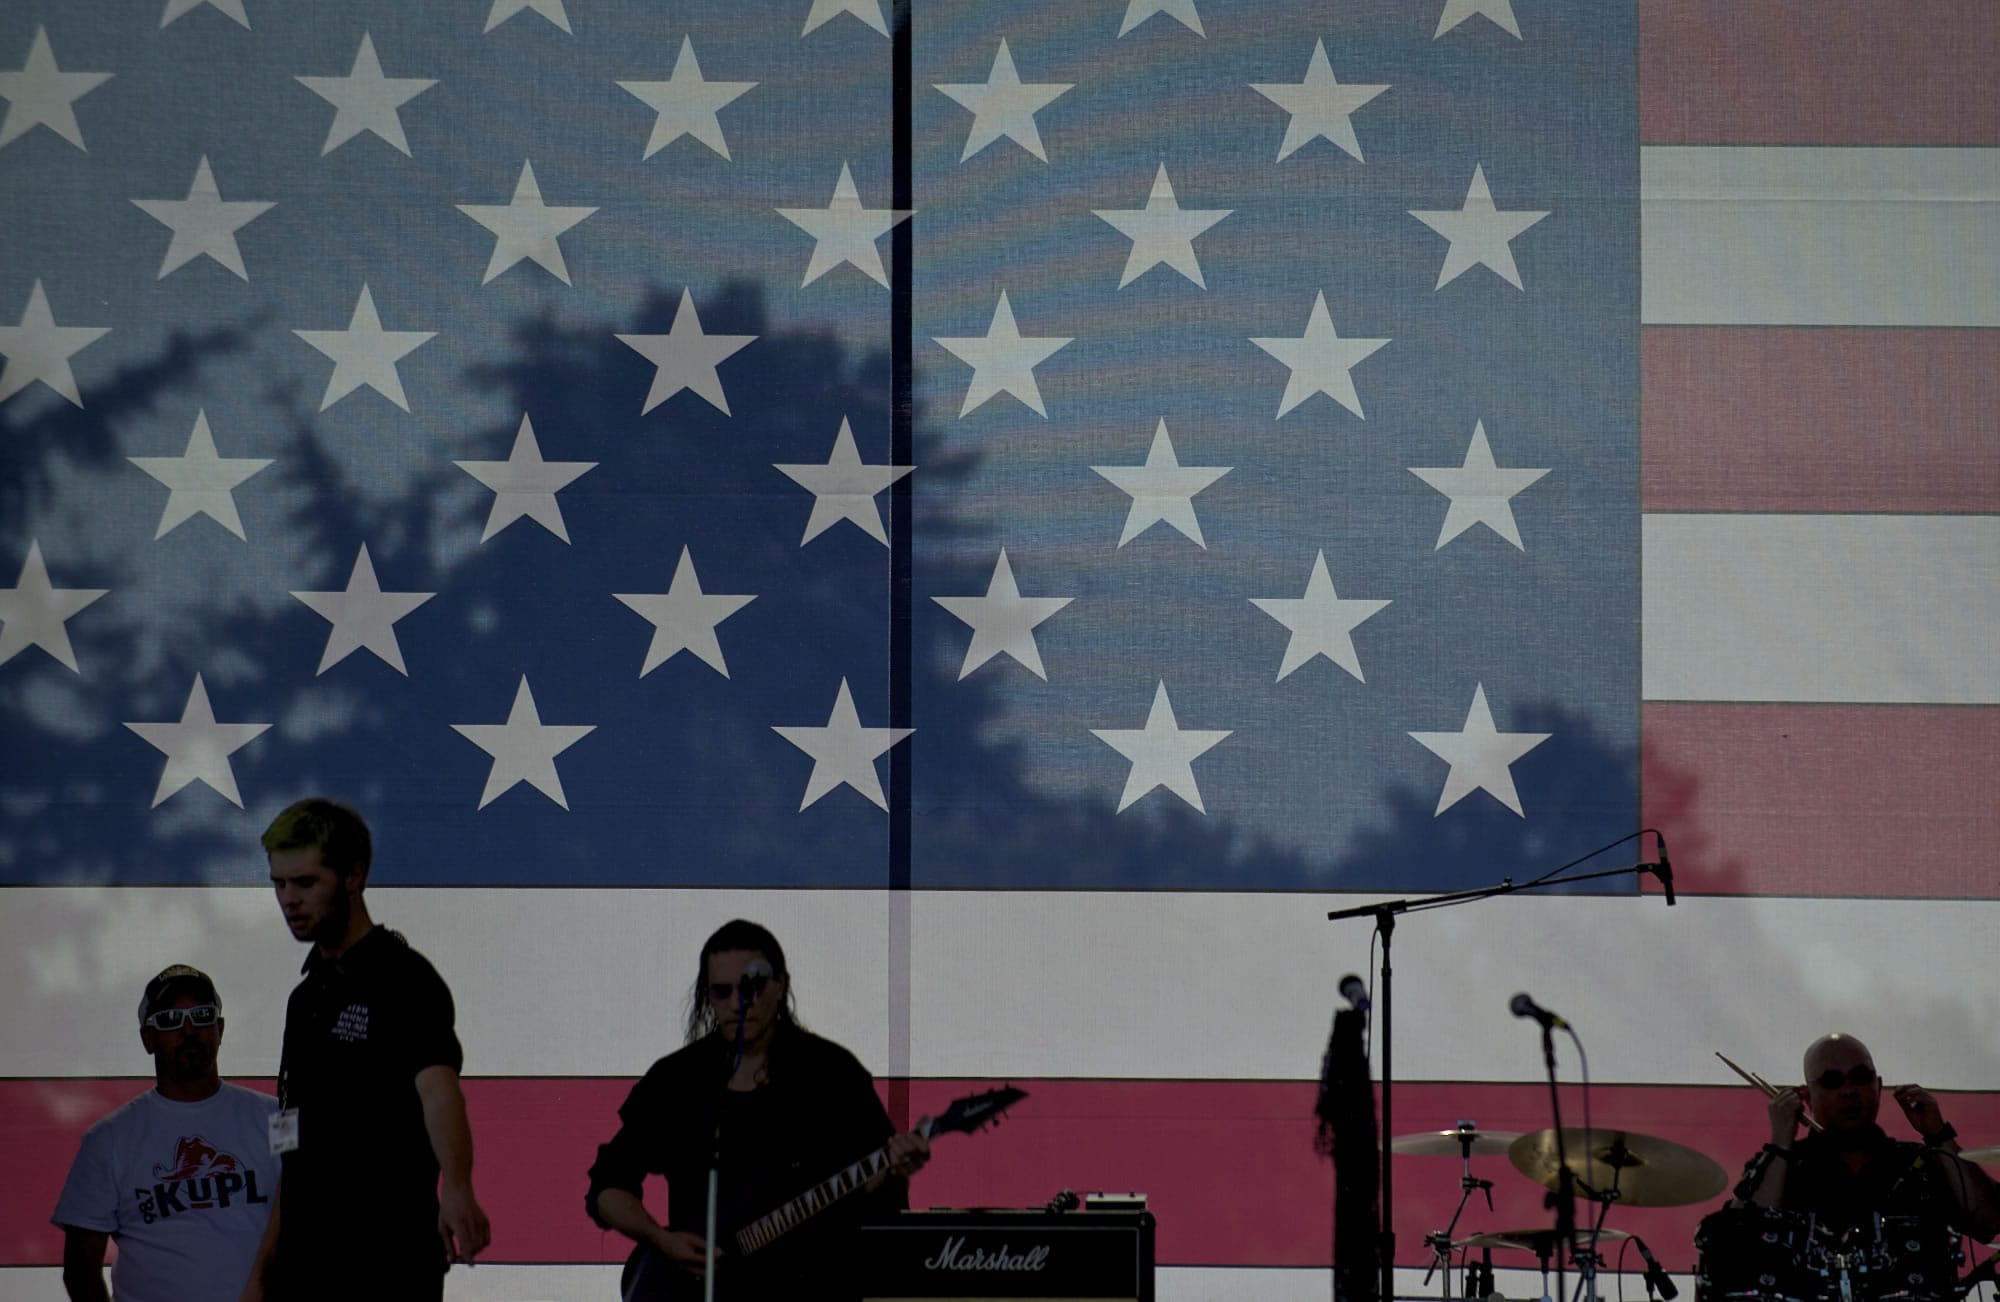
{"x":1036,"y":502}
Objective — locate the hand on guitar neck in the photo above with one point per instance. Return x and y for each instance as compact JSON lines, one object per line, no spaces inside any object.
{"x":906,"y":1154}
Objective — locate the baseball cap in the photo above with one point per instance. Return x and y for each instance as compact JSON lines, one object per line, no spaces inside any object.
{"x":173,"y":981}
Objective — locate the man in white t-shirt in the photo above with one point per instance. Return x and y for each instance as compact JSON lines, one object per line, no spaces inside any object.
{"x":182,"y":1177}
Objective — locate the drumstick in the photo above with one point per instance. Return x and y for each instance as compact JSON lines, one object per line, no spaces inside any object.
{"x":1771,"y":1090}
{"x":1767,"y":1087}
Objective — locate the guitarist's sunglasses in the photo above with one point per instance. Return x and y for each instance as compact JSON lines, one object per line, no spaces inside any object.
{"x":722,"y":992}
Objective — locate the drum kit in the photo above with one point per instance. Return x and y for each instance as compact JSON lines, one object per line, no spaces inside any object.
{"x":1606,"y":1166}
{"x":1759,"y":1253}
{"x":1746,"y":1254}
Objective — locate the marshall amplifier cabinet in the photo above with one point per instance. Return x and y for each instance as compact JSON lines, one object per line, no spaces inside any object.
{"x":986,"y":1255}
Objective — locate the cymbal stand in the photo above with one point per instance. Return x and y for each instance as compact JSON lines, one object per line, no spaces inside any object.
{"x":1588,"y":1259}
{"x":1543,"y":1252}
{"x":1440,"y":1240}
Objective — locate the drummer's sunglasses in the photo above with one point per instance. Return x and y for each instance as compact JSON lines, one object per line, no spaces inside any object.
{"x":1833,"y":1078}
{"x":169,"y":1019}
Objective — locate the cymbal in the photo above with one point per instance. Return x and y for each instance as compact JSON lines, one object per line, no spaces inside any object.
{"x":1648,"y":1172}
{"x":1450,"y":1143}
{"x":1990,"y":1156}
{"x":1540,"y":1241}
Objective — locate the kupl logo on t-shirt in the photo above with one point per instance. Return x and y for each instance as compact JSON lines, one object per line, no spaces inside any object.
{"x":200,"y":1177}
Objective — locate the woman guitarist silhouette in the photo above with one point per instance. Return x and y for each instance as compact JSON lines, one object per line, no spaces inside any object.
{"x":770,"y":1109}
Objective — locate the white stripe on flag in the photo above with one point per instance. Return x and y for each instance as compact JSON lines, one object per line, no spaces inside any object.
{"x":1040,"y":984}
{"x":1861,"y":608}
{"x":1819,"y":236}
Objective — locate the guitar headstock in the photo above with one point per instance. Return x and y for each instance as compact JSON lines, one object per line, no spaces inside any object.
{"x":976,"y":1111}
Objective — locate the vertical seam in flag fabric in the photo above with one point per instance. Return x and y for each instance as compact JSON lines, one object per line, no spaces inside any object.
{"x":902,"y":445}
{"x":1638,"y":469}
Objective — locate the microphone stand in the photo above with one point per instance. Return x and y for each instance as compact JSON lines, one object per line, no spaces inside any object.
{"x":715,"y":1150}
{"x":1385,"y":927}
{"x":1385,"y":915}
{"x":1563,"y":1198}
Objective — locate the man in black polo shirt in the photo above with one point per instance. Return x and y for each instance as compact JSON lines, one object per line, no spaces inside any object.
{"x":1850,"y":1171}
{"x":370,"y":1110}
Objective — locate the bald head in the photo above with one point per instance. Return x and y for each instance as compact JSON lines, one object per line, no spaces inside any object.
{"x":1847,"y":1103}
{"x":1835,"y":1045}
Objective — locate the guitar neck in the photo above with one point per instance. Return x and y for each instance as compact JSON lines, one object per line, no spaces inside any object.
{"x":773,"y":1225}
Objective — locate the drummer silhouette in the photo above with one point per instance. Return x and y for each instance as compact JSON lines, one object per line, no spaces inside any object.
{"x":1847,"y":1211}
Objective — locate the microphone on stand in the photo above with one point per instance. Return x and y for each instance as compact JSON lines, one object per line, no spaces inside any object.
{"x":1522,"y":1005}
{"x":756,"y":975}
{"x":1665,"y":870}
{"x":1657,"y":1279}
{"x":1354,"y":992}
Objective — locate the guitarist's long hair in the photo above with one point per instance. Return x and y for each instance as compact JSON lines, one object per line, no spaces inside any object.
{"x":738,"y":934}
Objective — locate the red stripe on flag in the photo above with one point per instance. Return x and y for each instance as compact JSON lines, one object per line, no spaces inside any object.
{"x":1825,"y":800}
{"x":1819,"y":420}
{"x":40,"y":1124}
{"x":1228,"y":1166}
{"x":1835,"y":72}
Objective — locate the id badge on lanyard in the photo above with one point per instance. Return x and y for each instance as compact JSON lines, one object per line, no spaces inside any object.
{"x":284,"y":1130}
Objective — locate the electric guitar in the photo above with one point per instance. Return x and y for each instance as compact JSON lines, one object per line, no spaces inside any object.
{"x":650,"y":1277}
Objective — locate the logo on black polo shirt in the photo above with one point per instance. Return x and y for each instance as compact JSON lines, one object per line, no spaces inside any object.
{"x":200,"y":1178}
{"x":352,"y":1024}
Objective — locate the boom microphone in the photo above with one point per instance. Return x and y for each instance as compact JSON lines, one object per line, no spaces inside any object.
{"x":1665,"y":872}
